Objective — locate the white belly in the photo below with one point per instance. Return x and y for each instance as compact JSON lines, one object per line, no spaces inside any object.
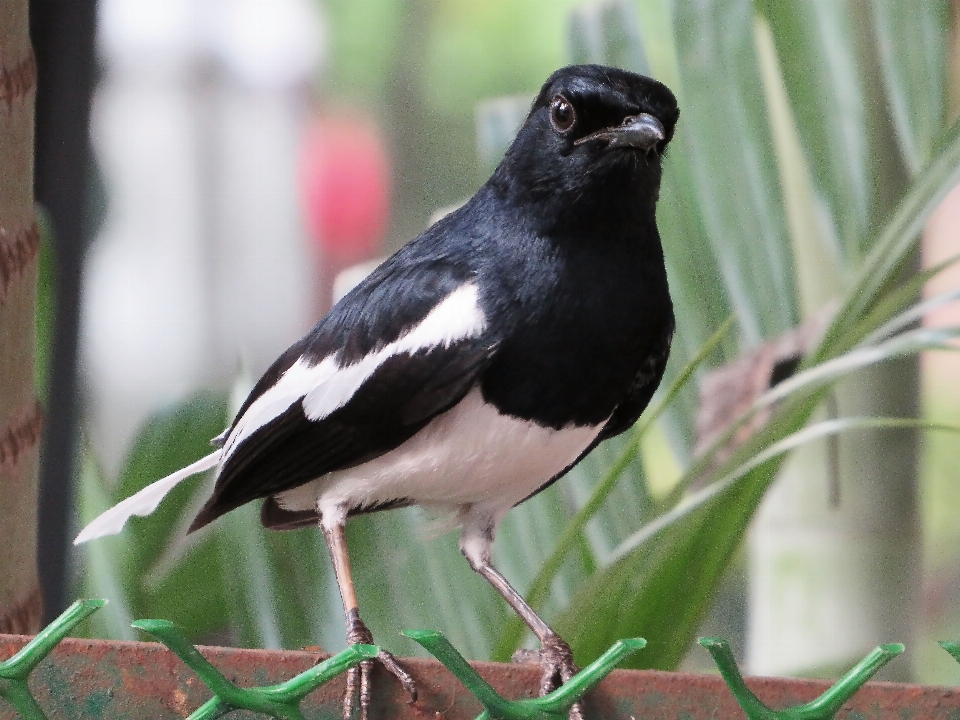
{"x":470,"y":455}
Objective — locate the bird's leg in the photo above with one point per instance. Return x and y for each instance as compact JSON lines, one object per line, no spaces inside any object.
{"x":358,"y":677}
{"x":555,"y":656}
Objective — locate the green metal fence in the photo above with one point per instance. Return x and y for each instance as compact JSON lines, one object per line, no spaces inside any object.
{"x":283,"y":699}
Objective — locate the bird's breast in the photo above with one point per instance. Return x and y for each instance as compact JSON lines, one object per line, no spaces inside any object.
{"x":573,"y":360}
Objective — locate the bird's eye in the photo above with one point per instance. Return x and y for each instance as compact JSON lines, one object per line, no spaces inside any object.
{"x":562,"y":113}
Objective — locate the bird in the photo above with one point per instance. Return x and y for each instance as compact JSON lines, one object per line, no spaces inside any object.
{"x":479,"y":363}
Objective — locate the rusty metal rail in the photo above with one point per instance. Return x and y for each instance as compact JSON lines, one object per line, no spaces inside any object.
{"x":101,"y":680}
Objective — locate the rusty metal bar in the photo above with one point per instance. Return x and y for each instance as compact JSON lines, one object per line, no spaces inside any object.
{"x":103,"y":680}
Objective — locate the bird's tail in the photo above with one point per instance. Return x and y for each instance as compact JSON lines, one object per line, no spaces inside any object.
{"x":144,"y":502}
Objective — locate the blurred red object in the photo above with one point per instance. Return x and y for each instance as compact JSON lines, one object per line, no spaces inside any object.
{"x":345,"y":188}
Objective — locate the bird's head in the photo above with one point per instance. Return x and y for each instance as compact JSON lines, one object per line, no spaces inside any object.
{"x":594,"y":134}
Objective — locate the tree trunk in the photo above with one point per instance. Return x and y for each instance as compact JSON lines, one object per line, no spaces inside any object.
{"x":20,"y":414}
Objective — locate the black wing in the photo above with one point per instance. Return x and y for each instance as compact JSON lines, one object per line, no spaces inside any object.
{"x":398,"y":399}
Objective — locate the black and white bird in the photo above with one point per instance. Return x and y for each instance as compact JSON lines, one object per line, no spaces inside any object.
{"x":479,"y":363}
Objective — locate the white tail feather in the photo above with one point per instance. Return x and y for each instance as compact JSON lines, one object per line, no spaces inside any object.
{"x":144,"y":502}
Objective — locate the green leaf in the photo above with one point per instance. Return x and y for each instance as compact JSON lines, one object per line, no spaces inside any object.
{"x":818,"y":47}
{"x":171,"y":439}
{"x":896,"y":241}
{"x":190,"y":592}
{"x":911,"y":40}
{"x":607,"y":33}
{"x":828,"y":371}
{"x":308,"y":607}
{"x":665,"y":586}
{"x":663,"y":577}
{"x":911,"y":316}
{"x":901,"y":299}
{"x":733,"y":171}
{"x":818,"y":259}
{"x":250,"y":579}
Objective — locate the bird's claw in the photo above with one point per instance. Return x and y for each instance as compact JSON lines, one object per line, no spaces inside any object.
{"x":358,"y":677}
{"x":555,"y":658}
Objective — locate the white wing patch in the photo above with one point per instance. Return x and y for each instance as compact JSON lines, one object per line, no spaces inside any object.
{"x":144,"y":502}
{"x":327,"y":386}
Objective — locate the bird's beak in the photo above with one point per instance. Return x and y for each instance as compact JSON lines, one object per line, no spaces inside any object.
{"x":642,"y":132}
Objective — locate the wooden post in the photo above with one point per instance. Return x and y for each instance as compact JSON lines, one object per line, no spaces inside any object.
{"x":20,"y":414}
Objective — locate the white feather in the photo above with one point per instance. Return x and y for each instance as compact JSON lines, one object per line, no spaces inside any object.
{"x":298,"y":379}
{"x":327,"y":386}
{"x":144,"y":502}
{"x":336,"y":391}
{"x":457,"y":317}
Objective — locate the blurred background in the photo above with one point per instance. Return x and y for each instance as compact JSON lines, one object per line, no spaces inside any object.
{"x":215,"y":171}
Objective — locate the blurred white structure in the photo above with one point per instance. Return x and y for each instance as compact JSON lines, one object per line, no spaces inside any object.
{"x":201,"y":262}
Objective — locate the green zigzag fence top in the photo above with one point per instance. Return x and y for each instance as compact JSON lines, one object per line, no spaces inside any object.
{"x":283,"y":699}
{"x":823,"y":708}
{"x":15,"y":671}
{"x":278,"y":701}
{"x":553,"y":706}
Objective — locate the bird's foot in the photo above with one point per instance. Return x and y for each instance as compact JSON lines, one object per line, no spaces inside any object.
{"x":358,"y":677}
{"x":555,"y":658}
